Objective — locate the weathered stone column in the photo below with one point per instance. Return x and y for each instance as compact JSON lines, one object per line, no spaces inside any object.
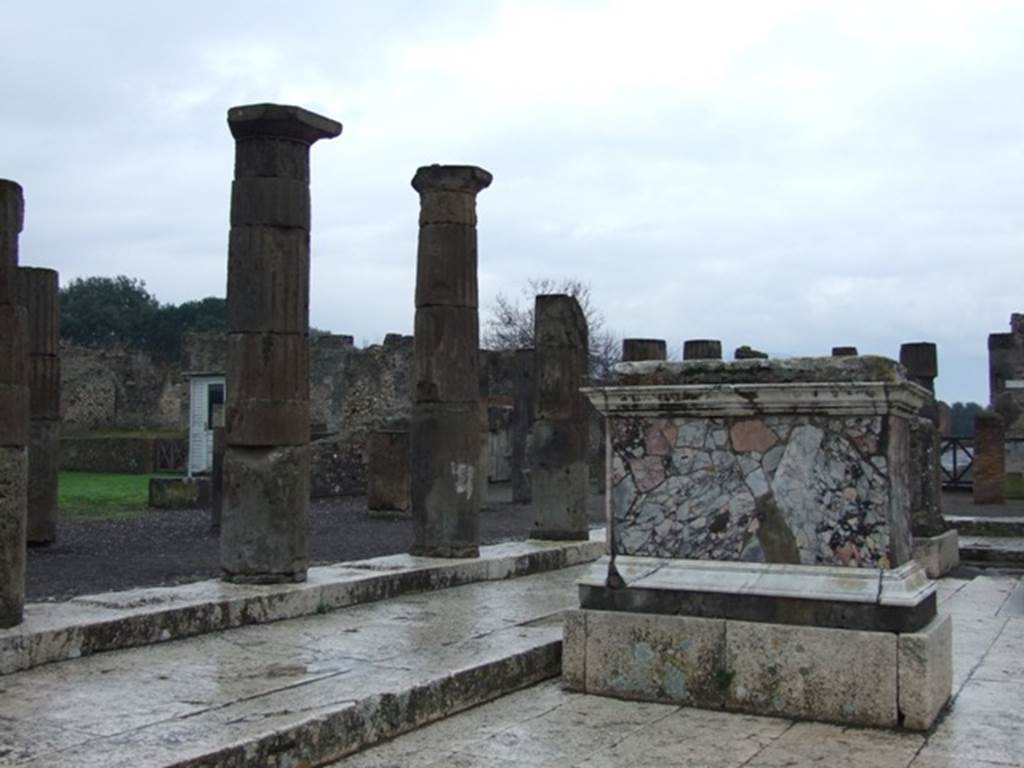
{"x":635,"y":350}
{"x":387,"y":473}
{"x":560,"y":472}
{"x":522,"y":423}
{"x":38,"y":289}
{"x":844,"y":352}
{"x":702,"y":349}
{"x":445,"y":431}
{"x":265,"y":523}
{"x":217,"y":480}
{"x":988,"y":470}
{"x":14,"y":411}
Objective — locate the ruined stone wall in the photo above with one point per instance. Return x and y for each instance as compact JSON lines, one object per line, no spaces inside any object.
{"x":117,"y":389}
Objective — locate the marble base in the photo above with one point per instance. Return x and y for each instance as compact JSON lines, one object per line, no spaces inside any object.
{"x":852,"y":677}
{"x":938,"y":554}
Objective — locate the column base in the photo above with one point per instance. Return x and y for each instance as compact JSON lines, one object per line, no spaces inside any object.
{"x":938,"y":554}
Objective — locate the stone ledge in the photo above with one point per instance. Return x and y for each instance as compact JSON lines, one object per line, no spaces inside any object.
{"x":852,"y":677}
{"x":899,"y":600}
{"x":95,"y":623}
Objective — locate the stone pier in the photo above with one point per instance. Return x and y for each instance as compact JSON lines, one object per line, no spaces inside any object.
{"x":936,"y":546}
{"x":38,"y":289}
{"x":522,"y":423}
{"x":14,"y":411}
{"x":560,"y":472}
{"x":634,"y":350}
{"x":387,"y":473}
{"x":1006,"y":397}
{"x":445,"y":430}
{"x":702,"y":349}
{"x":742,"y":495}
{"x":989,"y":468}
{"x":265,"y":522}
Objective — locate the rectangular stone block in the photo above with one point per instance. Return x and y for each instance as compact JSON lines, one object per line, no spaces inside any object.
{"x":268,"y":156}
{"x":444,"y":451}
{"x":42,"y":481}
{"x":559,"y":478}
{"x":809,"y":673}
{"x":669,"y":659}
{"x":273,"y":202}
{"x":447,"y":343}
{"x":38,"y":293}
{"x":938,"y":554}
{"x":574,"y":650}
{"x":44,"y":387}
{"x":13,"y":505}
{"x":446,"y":265}
{"x":387,"y":472}
{"x":268,"y":280}
{"x":925,"y":673}
{"x":265,"y":524}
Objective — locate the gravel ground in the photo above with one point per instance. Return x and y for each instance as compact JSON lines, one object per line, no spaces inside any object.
{"x":164,"y":547}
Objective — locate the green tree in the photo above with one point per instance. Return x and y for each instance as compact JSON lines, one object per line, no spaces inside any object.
{"x":107,"y":311}
{"x":961,"y":418}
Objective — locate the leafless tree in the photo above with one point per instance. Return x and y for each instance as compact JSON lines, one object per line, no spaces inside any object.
{"x":510,"y":322}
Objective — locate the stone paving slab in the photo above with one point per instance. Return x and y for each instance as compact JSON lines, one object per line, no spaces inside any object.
{"x":292,"y":692}
{"x":95,"y":623}
{"x":546,"y":726}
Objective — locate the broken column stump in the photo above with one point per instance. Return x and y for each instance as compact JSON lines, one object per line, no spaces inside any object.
{"x":387,"y":473}
{"x":559,"y":469}
{"x":634,"y":350}
{"x":14,"y":411}
{"x":989,"y":470}
{"x":38,"y":289}
{"x":265,"y":517}
{"x":445,"y":431}
{"x":844,"y":352}
{"x":702,"y":349}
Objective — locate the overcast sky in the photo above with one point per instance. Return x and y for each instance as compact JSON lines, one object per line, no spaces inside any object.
{"x":789,"y":175}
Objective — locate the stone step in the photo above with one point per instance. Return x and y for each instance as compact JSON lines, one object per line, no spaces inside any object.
{"x":117,"y":620}
{"x":299,"y":692}
{"x":986,"y":526}
{"x":1003,"y":551}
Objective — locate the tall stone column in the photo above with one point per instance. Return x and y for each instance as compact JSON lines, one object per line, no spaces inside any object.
{"x":38,"y":289}
{"x":265,"y":517}
{"x":560,"y":472}
{"x":445,"y":429}
{"x":522,"y":423}
{"x":14,"y":411}
{"x":702,"y":349}
{"x":988,"y":471}
{"x":635,"y":350}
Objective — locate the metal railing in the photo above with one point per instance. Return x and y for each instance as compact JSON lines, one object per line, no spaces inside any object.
{"x":956,"y":457}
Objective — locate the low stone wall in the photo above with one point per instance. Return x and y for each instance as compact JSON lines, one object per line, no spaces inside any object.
{"x":127,"y":454}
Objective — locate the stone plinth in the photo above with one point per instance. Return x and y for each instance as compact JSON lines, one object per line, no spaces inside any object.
{"x":989,"y":470}
{"x":702,"y":349}
{"x":559,"y":470}
{"x":265,"y":487}
{"x":445,"y":434}
{"x":635,"y":350}
{"x":851,"y":646}
{"x":387,"y":473}
{"x":785,"y":461}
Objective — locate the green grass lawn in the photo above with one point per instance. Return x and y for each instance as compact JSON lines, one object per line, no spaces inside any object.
{"x":95,"y":495}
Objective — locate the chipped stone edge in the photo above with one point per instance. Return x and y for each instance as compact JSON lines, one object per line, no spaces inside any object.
{"x":91,"y":624}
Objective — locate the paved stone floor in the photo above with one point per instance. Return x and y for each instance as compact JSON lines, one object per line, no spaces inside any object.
{"x":545,"y":726}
